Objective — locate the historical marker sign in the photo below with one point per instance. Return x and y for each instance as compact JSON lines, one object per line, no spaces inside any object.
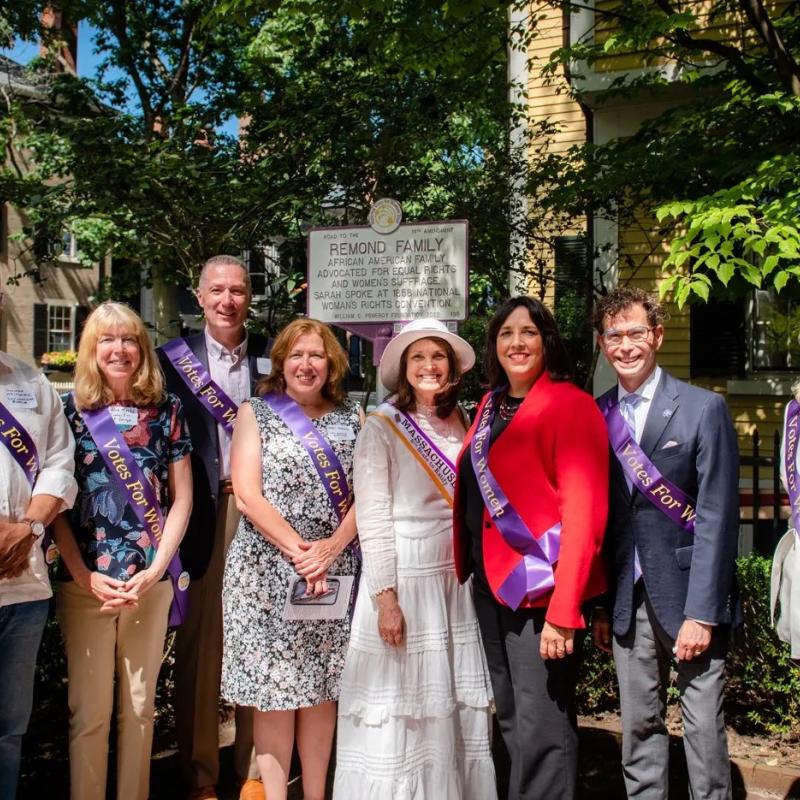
{"x":357,"y":275}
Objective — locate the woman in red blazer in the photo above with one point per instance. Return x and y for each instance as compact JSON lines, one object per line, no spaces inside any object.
{"x":529,"y":521}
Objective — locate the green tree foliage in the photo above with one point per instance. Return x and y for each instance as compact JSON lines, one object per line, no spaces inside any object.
{"x":718,"y":168}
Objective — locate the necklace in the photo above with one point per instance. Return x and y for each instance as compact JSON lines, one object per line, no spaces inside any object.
{"x":508,"y":407}
{"x":426,"y":411}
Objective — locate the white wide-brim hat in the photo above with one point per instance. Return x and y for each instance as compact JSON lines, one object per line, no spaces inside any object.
{"x":389,"y":367}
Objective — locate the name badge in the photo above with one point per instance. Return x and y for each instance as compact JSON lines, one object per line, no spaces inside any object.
{"x":264,"y":365}
{"x":20,"y":397}
{"x":340,"y":433}
{"x":124,"y":416}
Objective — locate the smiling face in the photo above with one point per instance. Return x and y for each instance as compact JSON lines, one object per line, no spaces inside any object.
{"x":520,"y":351}
{"x":305,"y":369}
{"x":118,"y":357}
{"x":427,"y":369}
{"x":224,"y":297}
{"x":632,"y":361}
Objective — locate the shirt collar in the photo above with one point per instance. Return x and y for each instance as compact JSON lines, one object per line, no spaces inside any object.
{"x":647,"y":390}
{"x":19,"y":369}
{"x":216,"y":350}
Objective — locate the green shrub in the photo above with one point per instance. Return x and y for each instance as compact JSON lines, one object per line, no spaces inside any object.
{"x":763,"y":687}
{"x":762,"y":693}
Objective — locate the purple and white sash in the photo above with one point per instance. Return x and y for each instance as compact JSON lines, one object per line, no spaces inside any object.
{"x":18,"y":442}
{"x":326,"y":462}
{"x":440,"y":469}
{"x":643,"y":474}
{"x":141,"y":497}
{"x":23,"y":450}
{"x":533,"y":576}
{"x":790,"y":462}
{"x":200,"y":383}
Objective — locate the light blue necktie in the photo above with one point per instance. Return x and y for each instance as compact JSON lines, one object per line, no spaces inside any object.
{"x":627,"y":407}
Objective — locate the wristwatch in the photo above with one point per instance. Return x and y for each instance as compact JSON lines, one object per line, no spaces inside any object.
{"x":37,"y":527}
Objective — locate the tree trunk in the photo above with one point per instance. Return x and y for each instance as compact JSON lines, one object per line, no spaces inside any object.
{"x":166,"y":318}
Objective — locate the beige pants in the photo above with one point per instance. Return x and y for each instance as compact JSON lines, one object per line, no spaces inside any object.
{"x":99,"y":644}
{"x":198,"y":671}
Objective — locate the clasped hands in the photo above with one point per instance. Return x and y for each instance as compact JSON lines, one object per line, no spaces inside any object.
{"x":311,"y":561}
{"x":116,"y":594}
{"x":16,"y":541}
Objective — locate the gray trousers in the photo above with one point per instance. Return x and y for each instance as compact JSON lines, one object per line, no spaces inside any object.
{"x":643,"y":658}
{"x":198,"y":667}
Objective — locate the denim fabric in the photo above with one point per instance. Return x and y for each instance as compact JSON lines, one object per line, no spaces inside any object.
{"x":21,"y":627}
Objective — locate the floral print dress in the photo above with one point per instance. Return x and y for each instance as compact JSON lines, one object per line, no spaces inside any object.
{"x":108,"y":532}
{"x":269,"y":662}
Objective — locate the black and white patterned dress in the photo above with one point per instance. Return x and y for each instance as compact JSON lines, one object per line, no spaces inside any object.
{"x":268,"y":662}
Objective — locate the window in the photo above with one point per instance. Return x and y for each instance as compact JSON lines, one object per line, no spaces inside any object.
{"x":57,"y":326}
{"x":69,"y":246}
{"x":263,"y":264}
{"x":776,"y":329}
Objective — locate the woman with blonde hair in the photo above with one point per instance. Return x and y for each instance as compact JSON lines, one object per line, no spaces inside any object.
{"x":119,"y":547}
{"x":286,"y":594}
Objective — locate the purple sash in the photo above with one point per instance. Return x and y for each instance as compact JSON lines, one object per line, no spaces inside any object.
{"x":790,"y":462}
{"x":326,"y":462}
{"x":643,"y":474}
{"x":23,"y":450}
{"x":141,"y":497}
{"x":19,"y":443}
{"x":533,"y":575}
{"x":200,"y":383}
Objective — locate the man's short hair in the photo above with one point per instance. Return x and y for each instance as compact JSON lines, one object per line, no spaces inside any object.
{"x":621,"y":299}
{"x":221,"y":260}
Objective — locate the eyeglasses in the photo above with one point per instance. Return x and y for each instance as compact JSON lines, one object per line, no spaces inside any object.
{"x":637,"y":335}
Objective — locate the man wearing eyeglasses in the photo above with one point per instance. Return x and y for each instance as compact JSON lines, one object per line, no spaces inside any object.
{"x":671,"y":541}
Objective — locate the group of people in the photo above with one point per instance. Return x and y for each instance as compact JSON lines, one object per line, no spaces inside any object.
{"x":393,"y":580}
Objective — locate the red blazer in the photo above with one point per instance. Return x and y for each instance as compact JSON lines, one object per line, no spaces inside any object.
{"x":552,"y":463}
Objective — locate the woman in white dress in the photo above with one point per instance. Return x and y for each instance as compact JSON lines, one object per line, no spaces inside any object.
{"x":414,"y":706}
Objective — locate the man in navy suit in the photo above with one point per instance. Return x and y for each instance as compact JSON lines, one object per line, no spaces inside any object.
{"x":672,"y":542}
{"x":234,"y":360}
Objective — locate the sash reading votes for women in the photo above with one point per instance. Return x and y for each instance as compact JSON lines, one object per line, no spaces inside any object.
{"x":141,"y":497}
{"x":23,"y":450}
{"x":208,"y":393}
{"x":532,"y":576}
{"x":790,"y":462}
{"x":437,"y":465}
{"x":326,"y":462}
{"x":19,"y":443}
{"x":643,"y":474}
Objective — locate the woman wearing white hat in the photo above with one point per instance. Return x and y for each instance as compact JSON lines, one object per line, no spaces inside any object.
{"x":414,"y":707}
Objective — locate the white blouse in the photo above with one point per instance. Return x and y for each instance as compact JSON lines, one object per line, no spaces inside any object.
{"x":394,"y":497}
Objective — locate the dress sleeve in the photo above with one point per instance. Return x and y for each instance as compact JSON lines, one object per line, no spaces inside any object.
{"x":373,"y":484}
{"x":180,"y":444}
{"x":581,"y":458}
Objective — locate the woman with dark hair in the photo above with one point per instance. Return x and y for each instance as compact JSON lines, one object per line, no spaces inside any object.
{"x":530,"y":511}
{"x":289,"y":570}
{"x":414,"y":710}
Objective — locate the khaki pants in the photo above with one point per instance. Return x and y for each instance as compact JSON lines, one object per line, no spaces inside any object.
{"x":198,"y":671}
{"x":128,"y":642}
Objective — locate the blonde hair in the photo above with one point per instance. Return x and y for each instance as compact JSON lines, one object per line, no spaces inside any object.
{"x":338,"y":363}
{"x":147,"y":382}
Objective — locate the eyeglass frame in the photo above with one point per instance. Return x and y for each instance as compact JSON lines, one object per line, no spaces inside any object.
{"x":627,"y":335}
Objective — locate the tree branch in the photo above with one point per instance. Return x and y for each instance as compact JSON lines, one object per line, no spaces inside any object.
{"x":785,"y":63}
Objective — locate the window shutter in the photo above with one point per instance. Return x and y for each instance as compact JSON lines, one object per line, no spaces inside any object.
{"x":39,"y":329}
{"x":81,"y":312}
{"x":718,"y":339}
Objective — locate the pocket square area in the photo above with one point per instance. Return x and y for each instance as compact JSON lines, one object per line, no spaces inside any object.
{"x":670,"y":443}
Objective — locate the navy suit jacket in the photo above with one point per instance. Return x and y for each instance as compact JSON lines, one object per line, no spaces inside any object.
{"x":199,"y":539}
{"x":690,"y":438}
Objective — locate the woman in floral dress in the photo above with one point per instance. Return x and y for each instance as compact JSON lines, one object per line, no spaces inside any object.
{"x":289,"y":670}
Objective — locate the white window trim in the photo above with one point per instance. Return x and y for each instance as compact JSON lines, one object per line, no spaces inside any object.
{"x":72,"y":319}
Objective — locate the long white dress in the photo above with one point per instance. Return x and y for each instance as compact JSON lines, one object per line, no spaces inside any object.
{"x":415,"y":720}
